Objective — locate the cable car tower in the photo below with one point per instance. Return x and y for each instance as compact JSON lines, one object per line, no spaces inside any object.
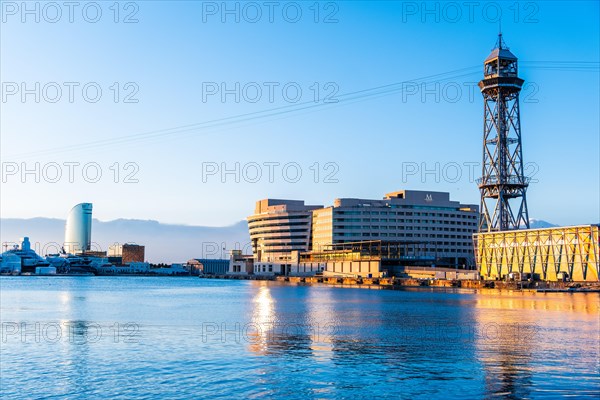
{"x":502,"y":181}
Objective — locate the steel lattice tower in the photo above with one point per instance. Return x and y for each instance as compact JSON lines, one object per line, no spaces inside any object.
{"x":502,"y":181}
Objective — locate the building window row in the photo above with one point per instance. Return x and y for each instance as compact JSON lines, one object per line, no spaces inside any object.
{"x":403,"y":228}
{"x":375,"y":234}
{"x":280,"y":216}
{"x":282,"y":224}
{"x":409,"y":221}
{"x":463,"y":215}
{"x":302,"y":232}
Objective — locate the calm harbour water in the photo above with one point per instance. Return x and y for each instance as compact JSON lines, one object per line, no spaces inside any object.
{"x":153,"y":337}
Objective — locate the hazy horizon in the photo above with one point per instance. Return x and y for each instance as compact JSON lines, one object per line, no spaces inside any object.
{"x":165,"y":243}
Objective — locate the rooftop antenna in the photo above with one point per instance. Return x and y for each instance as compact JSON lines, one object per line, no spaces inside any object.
{"x":500,"y":45}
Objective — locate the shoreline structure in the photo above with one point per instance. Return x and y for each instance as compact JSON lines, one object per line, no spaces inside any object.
{"x":387,"y":283}
{"x":395,"y":283}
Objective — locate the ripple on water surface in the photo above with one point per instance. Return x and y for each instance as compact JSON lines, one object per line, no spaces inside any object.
{"x":149,"y":337}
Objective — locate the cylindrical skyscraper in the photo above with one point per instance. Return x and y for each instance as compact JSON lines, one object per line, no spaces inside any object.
{"x":78,"y":229}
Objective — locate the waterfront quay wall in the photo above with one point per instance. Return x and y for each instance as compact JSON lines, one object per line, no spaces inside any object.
{"x":405,"y":282}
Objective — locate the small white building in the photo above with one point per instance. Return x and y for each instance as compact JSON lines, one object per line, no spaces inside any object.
{"x":267,"y":268}
{"x":240,"y":264}
{"x":308,"y":268}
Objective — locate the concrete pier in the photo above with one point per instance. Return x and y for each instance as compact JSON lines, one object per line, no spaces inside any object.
{"x":397,"y":283}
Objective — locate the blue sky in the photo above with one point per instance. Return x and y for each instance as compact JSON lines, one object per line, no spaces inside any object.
{"x":365,"y":145}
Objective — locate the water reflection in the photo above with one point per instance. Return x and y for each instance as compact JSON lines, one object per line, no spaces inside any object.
{"x":296,"y":341}
{"x":506,"y":361}
{"x":518,"y":331}
{"x":561,"y":302}
{"x":281,"y":324}
{"x":263,"y":316}
{"x":320,"y":312}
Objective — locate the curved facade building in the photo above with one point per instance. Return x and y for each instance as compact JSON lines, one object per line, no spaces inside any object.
{"x":78,"y":229}
{"x":279,"y":227}
{"x":425,"y":228}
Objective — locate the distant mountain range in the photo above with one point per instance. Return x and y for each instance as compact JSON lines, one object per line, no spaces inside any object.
{"x":538,"y":223}
{"x":164,"y":243}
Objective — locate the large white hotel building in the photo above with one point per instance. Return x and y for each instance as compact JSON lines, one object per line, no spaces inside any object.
{"x":434,"y":229}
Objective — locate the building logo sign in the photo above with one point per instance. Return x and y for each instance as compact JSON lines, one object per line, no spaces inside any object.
{"x":428,"y":198}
